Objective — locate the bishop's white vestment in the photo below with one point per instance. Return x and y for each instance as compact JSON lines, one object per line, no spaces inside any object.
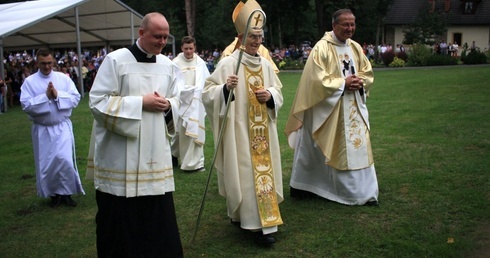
{"x":248,"y":159}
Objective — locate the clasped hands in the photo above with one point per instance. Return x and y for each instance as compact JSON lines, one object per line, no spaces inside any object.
{"x":353,"y":83}
{"x":51,"y":91}
{"x":153,"y":102}
{"x":262,"y":95}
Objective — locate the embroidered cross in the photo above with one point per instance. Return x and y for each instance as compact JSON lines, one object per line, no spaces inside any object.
{"x":257,"y":19}
{"x":151,"y":163}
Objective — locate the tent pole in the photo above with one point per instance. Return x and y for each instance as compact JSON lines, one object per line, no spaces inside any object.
{"x":79,"y":53}
{"x":2,"y":67}
{"x":132,"y":28}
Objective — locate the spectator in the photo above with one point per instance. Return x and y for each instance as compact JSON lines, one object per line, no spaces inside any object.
{"x":455,"y":49}
{"x":7,"y":79}
{"x":3,"y":95}
{"x":473,"y":46}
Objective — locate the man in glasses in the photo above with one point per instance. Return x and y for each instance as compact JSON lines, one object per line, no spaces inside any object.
{"x":48,"y":98}
{"x":328,"y":124}
{"x":248,"y":159}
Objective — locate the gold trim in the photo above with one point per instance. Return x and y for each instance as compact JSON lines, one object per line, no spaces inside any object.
{"x":265,"y":188}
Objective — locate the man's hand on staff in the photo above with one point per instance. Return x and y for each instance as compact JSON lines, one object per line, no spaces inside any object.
{"x":153,"y":102}
{"x":231,"y":82}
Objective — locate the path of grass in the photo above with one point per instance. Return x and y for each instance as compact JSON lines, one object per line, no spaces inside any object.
{"x":430,"y":136}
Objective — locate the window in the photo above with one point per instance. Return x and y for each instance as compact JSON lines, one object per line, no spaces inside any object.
{"x":468,"y":7}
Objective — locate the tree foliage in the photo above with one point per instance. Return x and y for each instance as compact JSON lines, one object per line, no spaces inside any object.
{"x":289,"y":22}
{"x":428,"y":25}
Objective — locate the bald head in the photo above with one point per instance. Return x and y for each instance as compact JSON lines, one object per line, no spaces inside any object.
{"x":153,"y":33}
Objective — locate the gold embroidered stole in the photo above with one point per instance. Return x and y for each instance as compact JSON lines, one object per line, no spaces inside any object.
{"x":265,"y":189}
{"x":353,"y":146}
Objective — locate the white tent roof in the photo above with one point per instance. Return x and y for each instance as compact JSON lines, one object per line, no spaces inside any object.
{"x":52,"y":23}
{"x":67,"y":24}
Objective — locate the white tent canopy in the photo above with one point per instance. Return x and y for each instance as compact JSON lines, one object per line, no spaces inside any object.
{"x":67,"y":23}
{"x":52,"y":23}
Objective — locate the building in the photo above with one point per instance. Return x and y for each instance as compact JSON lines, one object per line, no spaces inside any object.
{"x":467,"y":20}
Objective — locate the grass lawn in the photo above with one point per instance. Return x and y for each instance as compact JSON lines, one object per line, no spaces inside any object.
{"x":430,"y":132}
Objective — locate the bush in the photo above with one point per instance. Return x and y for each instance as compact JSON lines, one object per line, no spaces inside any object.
{"x":475,"y":57}
{"x":402,"y":55}
{"x":290,"y":64}
{"x":463,"y":54}
{"x":419,"y":55}
{"x":441,"y":60}
{"x":388,"y":57}
{"x":397,"y":62}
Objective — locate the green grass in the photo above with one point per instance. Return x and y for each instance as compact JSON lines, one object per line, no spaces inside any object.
{"x":430,"y":140}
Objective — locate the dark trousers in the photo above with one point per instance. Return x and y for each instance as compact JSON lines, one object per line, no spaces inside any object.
{"x":143,"y":226}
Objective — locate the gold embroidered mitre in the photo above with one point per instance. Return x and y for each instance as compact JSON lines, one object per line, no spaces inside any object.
{"x":242,"y":12}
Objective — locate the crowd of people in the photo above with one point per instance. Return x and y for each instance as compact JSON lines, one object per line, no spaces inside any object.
{"x":149,"y":112}
{"x":20,"y":65}
{"x":448,"y":49}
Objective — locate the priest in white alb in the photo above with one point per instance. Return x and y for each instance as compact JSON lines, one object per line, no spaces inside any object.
{"x":48,"y":97}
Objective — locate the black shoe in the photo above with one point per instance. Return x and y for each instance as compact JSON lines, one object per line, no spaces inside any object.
{"x":68,"y":201}
{"x":175,"y":162}
{"x":55,"y":201}
{"x":235,"y":223}
{"x":372,"y":203}
{"x":300,"y":194}
{"x":264,"y":240}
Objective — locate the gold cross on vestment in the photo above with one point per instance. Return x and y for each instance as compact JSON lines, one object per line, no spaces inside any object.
{"x":257,"y":19}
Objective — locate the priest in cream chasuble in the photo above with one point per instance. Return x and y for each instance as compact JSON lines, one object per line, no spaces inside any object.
{"x":328,"y":125}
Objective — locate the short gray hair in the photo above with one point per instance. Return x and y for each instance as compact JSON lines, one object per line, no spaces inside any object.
{"x":336,"y":15}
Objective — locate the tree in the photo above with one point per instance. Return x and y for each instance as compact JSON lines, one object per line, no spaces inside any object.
{"x":289,"y":22}
{"x":381,"y":8}
{"x":429,"y":24}
{"x":190,"y":15}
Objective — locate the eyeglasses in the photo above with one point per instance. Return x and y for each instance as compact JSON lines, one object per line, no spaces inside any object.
{"x":46,"y":63}
{"x":347,"y":25}
{"x":255,"y":36}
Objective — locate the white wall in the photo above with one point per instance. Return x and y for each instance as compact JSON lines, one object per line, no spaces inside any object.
{"x":480,"y":34}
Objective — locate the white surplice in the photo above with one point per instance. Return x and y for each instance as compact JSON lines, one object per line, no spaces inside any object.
{"x":130,"y":148}
{"x":188,"y":144}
